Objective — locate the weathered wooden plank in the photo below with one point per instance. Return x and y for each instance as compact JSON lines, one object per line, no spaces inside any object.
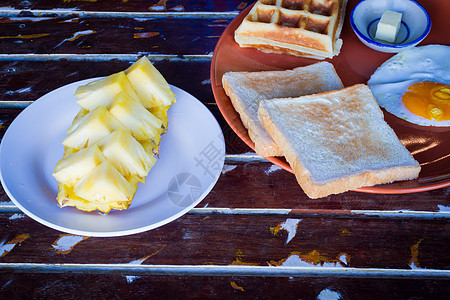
{"x":263,"y":185}
{"x":233,"y":144}
{"x":440,"y":211}
{"x":109,"y":36}
{"x":25,"y":80}
{"x":6,"y":117}
{"x":28,"y":80}
{"x":57,"y":286}
{"x":205,"y":237}
{"x":258,"y":184}
{"x":216,"y":270}
{"x":241,"y":240}
{"x":142,"y":6}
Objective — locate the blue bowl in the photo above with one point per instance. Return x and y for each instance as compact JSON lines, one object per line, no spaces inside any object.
{"x":415,"y":25}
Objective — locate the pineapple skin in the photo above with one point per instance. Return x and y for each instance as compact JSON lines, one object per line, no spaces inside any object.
{"x":101,"y":95}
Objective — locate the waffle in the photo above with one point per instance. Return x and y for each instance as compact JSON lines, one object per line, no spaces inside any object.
{"x":309,"y":28}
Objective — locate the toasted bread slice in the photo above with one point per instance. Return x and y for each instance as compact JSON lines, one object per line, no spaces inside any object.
{"x":247,"y":89}
{"x":337,"y":141}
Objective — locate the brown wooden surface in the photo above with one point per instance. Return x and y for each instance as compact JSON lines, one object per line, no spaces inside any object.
{"x":181,"y":36}
{"x":29,"y":80}
{"x":232,"y":245}
{"x":183,"y":287}
{"x":141,"y":6}
{"x":237,"y":240}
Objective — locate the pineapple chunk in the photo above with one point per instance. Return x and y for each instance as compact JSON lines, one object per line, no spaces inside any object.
{"x":114,"y":139}
{"x":126,"y":154}
{"x":90,"y":128}
{"x":150,"y":85}
{"x":102,"y":91}
{"x":72,"y":168}
{"x":133,"y":116}
{"x":66,"y":197}
{"x":104,"y":184}
{"x":81,"y":113}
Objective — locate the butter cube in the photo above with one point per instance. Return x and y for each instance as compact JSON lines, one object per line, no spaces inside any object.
{"x":389,"y":26}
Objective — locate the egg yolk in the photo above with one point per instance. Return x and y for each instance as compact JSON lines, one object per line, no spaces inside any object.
{"x":430,"y":100}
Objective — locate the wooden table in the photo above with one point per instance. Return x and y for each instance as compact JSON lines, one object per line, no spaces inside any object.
{"x":256,"y":235}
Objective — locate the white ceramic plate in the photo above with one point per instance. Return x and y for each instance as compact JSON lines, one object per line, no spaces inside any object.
{"x":192,"y":155}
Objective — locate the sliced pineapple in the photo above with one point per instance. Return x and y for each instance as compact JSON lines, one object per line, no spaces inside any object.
{"x":74,"y":167}
{"x":67,"y":197}
{"x":114,"y":139}
{"x":105,"y":184}
{"x":133,"y":116}
{"x":102,"y":91}
{"x":81,"y":113}
{"x":90,"y":128}
{"x":127,"y":154}
{"x":150,"y":85}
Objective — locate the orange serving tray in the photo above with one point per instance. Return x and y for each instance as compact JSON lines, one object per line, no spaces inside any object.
{"x":355,"y":64}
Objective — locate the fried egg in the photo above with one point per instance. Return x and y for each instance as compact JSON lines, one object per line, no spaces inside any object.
{"x":414,"y":85}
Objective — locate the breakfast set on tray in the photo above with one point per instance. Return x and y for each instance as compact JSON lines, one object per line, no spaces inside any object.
{"x":297,"y":112}
{"x":280,"y":80}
